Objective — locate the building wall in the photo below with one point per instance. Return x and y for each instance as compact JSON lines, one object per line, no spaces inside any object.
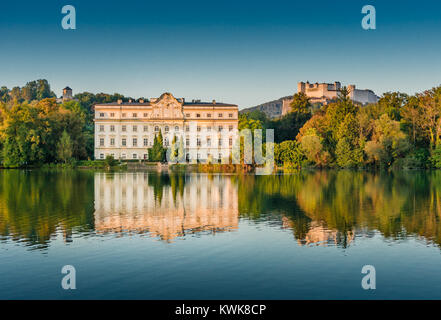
{"x":206,"y":130}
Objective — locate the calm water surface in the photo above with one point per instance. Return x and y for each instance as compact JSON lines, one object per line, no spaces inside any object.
{"x":198,"y":236}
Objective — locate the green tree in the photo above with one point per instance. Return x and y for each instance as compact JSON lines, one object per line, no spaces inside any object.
{"x":64,"y":148}
{"x":391,"y":103}
{"x":300,"y":103}
{"x":157,"y":152}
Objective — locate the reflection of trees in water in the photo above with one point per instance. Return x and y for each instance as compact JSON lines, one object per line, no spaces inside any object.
{"x":397,"y":204}
{"x":33,"y":204}
{"x":315,"y":205}
{"x":158,"y":181}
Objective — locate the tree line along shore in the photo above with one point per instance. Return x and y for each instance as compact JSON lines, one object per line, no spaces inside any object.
{"x":400,"y":131}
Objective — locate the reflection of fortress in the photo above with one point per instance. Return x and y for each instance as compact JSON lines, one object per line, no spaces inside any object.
{"x":128,"y":202}
{"x":319,"y":235}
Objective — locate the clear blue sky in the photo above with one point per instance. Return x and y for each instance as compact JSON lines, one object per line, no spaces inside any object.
{"x":241,"y":51}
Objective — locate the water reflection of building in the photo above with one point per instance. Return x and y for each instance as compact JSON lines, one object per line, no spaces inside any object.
{"x":319,"y":235}
{"x":167,"y":209}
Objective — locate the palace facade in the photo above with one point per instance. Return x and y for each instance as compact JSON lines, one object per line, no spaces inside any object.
{"x":126,"y":130}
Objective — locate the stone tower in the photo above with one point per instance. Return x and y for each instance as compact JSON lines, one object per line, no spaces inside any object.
{"x":67,"y":94}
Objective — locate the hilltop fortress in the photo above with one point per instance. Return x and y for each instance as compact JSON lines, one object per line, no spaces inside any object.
{"x":324,"y":93}
{"x":319,"y":93}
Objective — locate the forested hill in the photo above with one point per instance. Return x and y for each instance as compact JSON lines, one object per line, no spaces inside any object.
{"x":272,"y":109}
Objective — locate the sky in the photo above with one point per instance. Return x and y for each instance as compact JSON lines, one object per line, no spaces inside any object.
{"x":243,"y":52}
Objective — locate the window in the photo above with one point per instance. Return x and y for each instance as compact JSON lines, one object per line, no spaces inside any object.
{"x":198,"y":115}
{"x":198,"y":142}
{"x":135,"y":142}
{"x":112,"y":141}
{"x":166,"y":129}
{"x":209,"y":129}
{"x":146,"y":115}
{"x":101,"y":142}
{"x":230,"y":115}
{"x":102,"y":115}
{"x":146,"y":156}
{"x":146,"y":128}
{"x":208,"y":142}
{"x":123,"y":115}
{"x":230,"y":128}
{"x":187,"y":142}
{"x":124,"y":142}
{"x":198,"y":128}
{"x":220,"y":156}
{"x":208,"y":115}
{"x":146,"y":142}
{"x":220,"y":128}
{"x":135,"y":156}
{"x":156,"y":128}
{"x":101,"y":127}
{"x":134,"y":115}
{"x":124,"y":128}
{"x":112,"y":128}
{"x":112,"y":115}
{"x":220,"y":115}
{"x":123,"y":156}
{"x":101,"y":155}
{"x":176,"y":128}
{"x":187,"y":115}
{"x":135,"y":128}
{"x":187,"y":128}
{"x":166,"y":142}
{"x":220,"y":142}
{"x":231,"y":142}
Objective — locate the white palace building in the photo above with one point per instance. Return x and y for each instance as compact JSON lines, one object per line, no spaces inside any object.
{"x":126,"y":130}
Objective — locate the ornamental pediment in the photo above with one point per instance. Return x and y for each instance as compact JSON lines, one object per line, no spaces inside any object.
{"x":166,"y":106}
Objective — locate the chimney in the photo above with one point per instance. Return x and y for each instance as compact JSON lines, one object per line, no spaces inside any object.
{"x":119,"y":101}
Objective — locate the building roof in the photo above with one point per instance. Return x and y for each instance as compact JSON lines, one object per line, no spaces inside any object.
{"x":67,"y":88}
{"x":202,"y":104}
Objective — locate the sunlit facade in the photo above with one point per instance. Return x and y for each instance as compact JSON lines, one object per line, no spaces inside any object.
{"x":126,"y":130}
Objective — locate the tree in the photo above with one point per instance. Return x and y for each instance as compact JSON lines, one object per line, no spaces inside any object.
{"x":313,"y":149}
{"x":388,"y":142}
{"x":300,"y":103}
{"x":347,"y":156}
{"x":289,"y":154}
{"x":110,"y":161}
{"x":336,"y":113}
{"x":157,"y":151}
{"x":64,"y":148}
{"x":391,"y":103}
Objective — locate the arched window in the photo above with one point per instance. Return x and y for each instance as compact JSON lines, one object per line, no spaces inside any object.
{"x":176,"y":128}
{"x":156,"y":128}
{"x":166,"y":129}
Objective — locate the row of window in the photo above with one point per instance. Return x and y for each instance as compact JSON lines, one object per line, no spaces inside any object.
{"x":157,"y":128}
{"x":166,"y":142}
{"x":145,"y":156}
{"x":124,"y":156}
{"x":187,"y":115}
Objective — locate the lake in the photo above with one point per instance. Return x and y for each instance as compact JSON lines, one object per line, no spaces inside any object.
{"x":150,"y":235}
